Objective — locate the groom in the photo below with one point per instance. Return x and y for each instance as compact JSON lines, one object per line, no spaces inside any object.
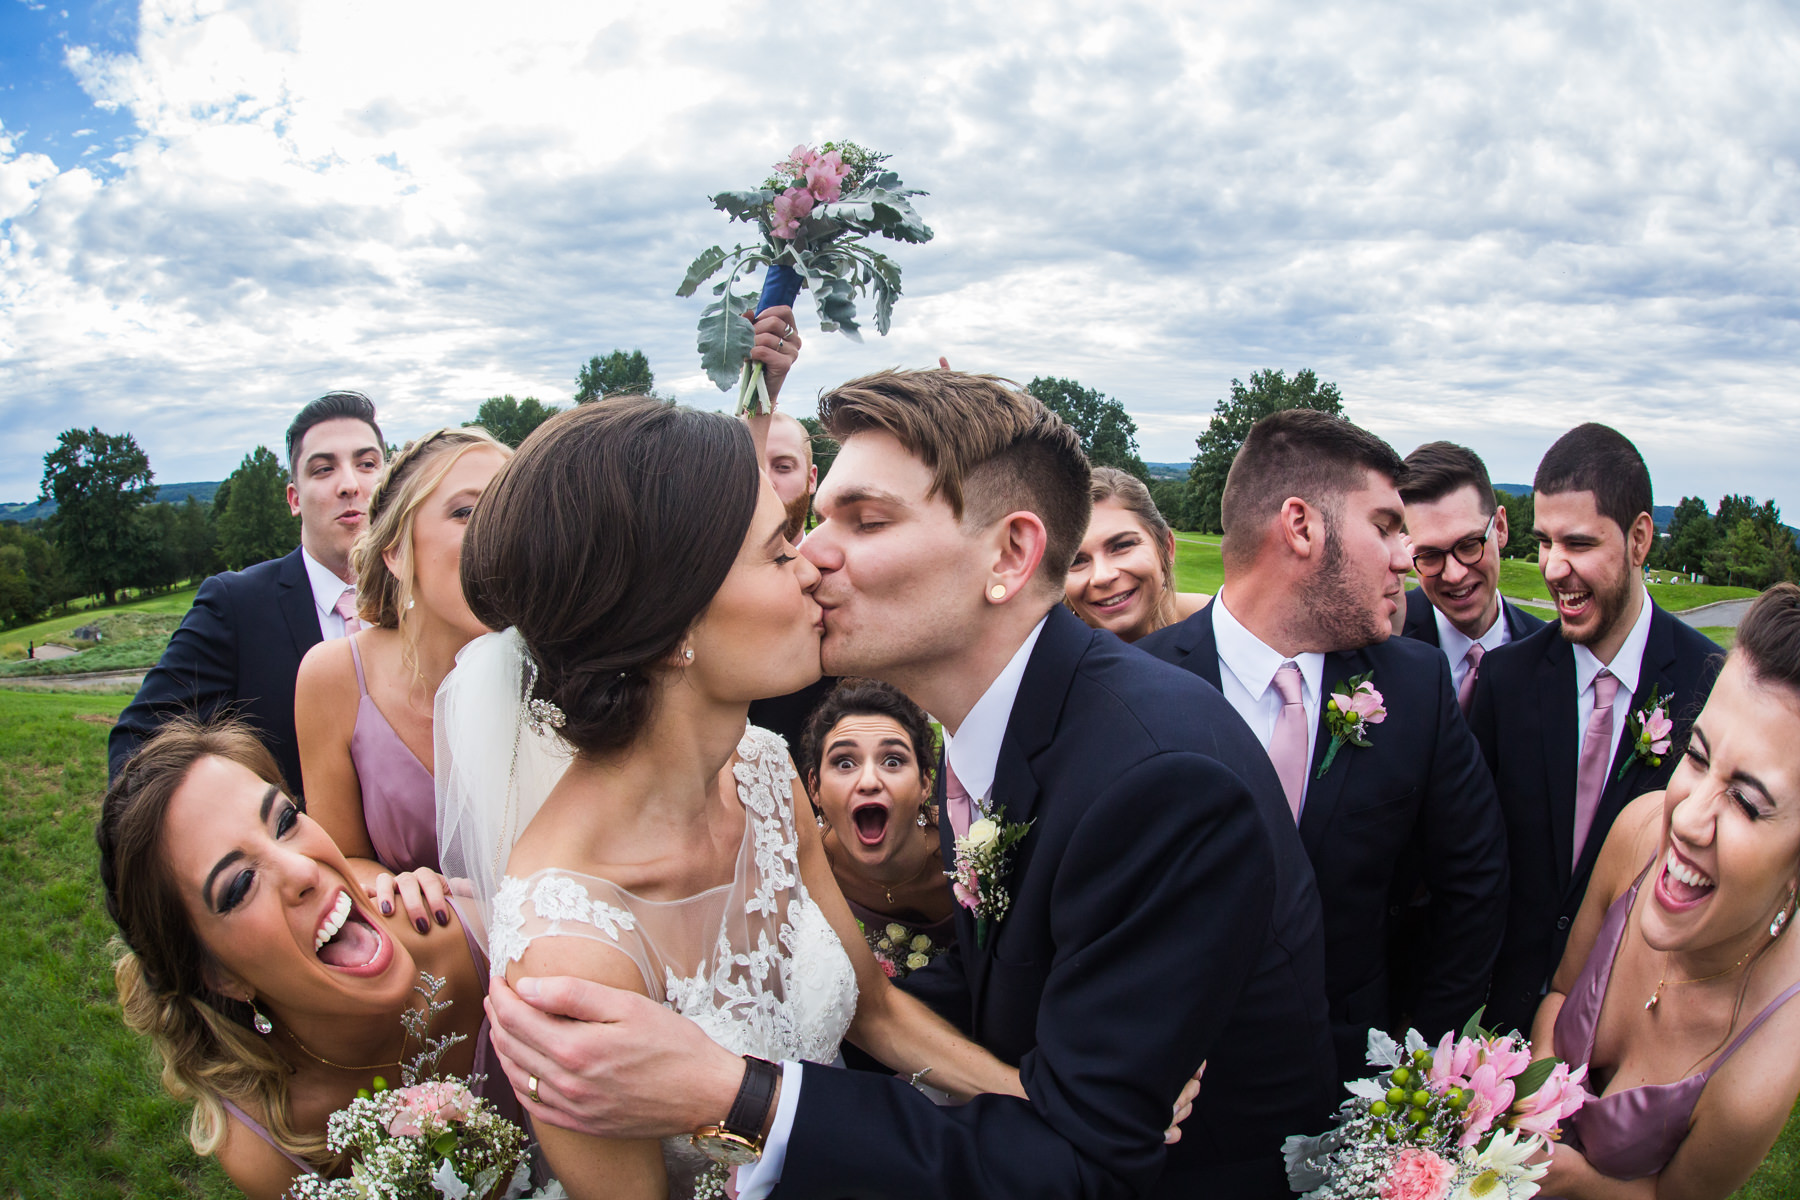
{"x":1161,"y":912}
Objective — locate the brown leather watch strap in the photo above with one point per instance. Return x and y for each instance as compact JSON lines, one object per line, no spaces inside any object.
{"x":750,"y":1111}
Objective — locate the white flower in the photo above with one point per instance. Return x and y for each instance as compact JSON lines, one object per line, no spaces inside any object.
{"x":1500,"y":1172}
{"x":896,"y":933}
{"x":921,"y":943}
{"x":916,"y":960}
{"x":981,"y":833}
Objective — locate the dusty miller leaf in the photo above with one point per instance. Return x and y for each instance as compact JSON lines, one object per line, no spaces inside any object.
{"x":700,"y":270}
{"x":726,"y":338}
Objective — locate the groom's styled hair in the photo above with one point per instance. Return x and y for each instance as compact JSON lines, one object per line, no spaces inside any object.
{"x":1598,"y":459}
{"x":1296,"y":452}
{"x":992,"y":447}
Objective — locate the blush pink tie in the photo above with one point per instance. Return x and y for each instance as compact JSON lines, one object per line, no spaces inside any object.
{"x":1465,"y":691}
{"x":956,"y":801}
{"x":1596,"y":757}
{"x":1287,"y":745}
{"x":346,"y":608}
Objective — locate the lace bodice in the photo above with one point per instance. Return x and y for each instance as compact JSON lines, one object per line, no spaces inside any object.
{"x":753,"y":962}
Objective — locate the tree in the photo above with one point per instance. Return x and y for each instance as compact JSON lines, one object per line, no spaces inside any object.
{"x":1108,"y":434}
{"x":99,"y":481}
{"x":15,"y":588}
{"x":1521,"y":515}
{"x":1741,"y":557}
{"x":512,"y":421}
{"x":196,"y":541}
{"x":157,"y":541}
{"x":824,"y":446}
{"x":1690,"y":537}
{"x":1269,"y":391}
{"x":255,"y":525}
{"x":1170,"y":497}
{"x":617,"y":372}
{"x":47,"y":583}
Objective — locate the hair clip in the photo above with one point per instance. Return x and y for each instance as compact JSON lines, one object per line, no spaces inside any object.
{"x":540,"y":714}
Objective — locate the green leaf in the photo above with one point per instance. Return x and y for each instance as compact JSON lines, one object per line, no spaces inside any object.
{"x":1532,"y":1078}
{"x":895,"y":217}
{"x":884,"y":306}
{"x":836,"y":300}
{"x":726,"y":338}
{"x":1472,"y":1027}
{"x":743,"y":206}
{"x":700,"y":270}
{"x":444,"y":1143}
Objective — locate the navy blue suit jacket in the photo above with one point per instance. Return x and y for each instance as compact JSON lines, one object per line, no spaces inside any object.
{"x":1422,"y":625}
{"x":1415,"y":803}
{"x":238,"y":650}
{"x":1162,"y":914}
{"x":1525,"y":717}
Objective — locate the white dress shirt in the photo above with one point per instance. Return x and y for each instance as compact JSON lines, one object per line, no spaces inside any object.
{"x":326,"y":588}
{"x":974,"y":753}
{"x":1456,"y":643}
{"x":1247,"y":667}
{"x":1627,"y":667}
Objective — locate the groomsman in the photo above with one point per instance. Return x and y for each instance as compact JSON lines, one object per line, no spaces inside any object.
{"x":240,"y":645}
{"x":1313,"y":558}
{"x":1556,"y":714}
{"x":1457,"y":531}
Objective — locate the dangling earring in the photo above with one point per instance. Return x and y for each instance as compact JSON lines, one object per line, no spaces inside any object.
{"x":924,"y":822}
{"x":819,"y":819}
{"x":261,"y":1023}
{"x":1781,"y":918}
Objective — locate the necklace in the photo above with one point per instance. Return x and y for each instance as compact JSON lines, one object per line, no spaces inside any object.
{"x":1650,"y":1004}
{"x":340,"y":1066}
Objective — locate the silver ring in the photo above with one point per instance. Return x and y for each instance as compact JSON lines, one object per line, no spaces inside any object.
{"x":780,"y":342}
{"x":788,"y":334}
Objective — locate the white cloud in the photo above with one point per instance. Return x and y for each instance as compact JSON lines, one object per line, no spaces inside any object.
{"x":1482,"y":225}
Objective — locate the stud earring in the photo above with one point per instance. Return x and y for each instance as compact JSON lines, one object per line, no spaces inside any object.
{"x":688,"y":653}
{"x":261,"y":1023}
{"x":998,"y":591}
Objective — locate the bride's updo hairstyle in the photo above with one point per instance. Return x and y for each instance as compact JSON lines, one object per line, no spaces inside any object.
{"x":603,"y":541}
{"x":208,"y":1050}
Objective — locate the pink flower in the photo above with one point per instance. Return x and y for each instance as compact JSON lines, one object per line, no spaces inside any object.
{"x":445,"y":1101}
{"x":1489,"y":1097}
{"x":798,"y":159}
{"x":1557,"y":1099}
{"x":1506,"y":1057}
{"x":1417,"y":1175}
{"x":1453,"y":1060}
{"x":887,"y":968}
{"x":1365,"y":702}
{"x":825,"y":176}
{"x":1657,"y":728}
{"x":790,"y":207}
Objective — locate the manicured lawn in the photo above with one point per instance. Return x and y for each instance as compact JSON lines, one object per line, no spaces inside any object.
{"x":1725,"y":635}
{"x":1198,"y":567}
{"x":13,"y":641}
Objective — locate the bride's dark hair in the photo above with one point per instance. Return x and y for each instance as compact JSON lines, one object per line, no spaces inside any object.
{"x":603,"y":540}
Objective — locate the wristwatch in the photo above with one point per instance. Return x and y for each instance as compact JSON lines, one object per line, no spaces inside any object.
{"x":740,"y":1139}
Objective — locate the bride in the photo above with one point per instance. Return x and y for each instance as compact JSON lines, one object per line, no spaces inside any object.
{"x":608,"y":801}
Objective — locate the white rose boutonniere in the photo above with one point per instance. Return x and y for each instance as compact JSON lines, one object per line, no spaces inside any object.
{"x":982,"y":862}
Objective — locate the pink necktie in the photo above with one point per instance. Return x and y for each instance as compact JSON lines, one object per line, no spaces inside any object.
{"x":1465,"y":691}
{"x":1596,"y":757}
{"x":956,"y":801}
{"x":346,"y":608}
{"x":1287,"y":745}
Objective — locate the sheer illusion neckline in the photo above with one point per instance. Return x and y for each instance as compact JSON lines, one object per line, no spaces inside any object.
{"x":737,"y":874}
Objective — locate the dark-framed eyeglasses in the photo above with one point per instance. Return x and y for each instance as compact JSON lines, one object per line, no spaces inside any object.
{"x":1468,"y":552}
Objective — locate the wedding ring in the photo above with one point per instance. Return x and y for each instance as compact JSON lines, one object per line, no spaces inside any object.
{"x":531,"y":1082}
{"x":780,"y":342}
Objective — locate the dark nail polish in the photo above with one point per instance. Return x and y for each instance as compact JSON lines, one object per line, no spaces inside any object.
{"x":422,"y":926}
{"x":443,"y":917}
{"x":387,"y":910}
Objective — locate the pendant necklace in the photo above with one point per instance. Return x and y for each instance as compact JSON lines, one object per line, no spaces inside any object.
{"x":1650,"y":1004}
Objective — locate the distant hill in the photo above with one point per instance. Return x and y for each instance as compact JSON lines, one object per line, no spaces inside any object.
{"x":1662,"y":514}
{"x":1178,"y":470}
{"x":166,"y":493}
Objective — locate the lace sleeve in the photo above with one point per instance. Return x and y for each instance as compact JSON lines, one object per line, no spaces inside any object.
{"x":552,"y":903}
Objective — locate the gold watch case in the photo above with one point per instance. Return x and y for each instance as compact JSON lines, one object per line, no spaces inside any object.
{"x":723,"y":1146}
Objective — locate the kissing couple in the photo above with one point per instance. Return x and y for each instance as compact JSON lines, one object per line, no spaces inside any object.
{"x":674,"y":962}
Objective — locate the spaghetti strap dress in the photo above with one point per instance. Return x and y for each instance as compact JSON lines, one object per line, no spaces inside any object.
{"x":399,"y":799}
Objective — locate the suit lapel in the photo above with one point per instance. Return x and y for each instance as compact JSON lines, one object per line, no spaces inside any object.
{"x":296,"y":603}
{"x":1556,"y":709}
{"x":1324,"y":793}
{"x":1199,"y":646}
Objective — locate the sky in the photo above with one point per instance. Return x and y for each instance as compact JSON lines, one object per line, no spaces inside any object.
{"x":1483,"y":222}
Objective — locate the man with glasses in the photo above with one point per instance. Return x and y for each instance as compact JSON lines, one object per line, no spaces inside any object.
{"x":1457,"y":532}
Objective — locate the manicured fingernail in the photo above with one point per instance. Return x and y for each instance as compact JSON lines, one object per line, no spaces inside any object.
{"x":443,"y":917}
{"x":528,"y":988}
{"x":422,"y":925}
{"x":387,"y":910}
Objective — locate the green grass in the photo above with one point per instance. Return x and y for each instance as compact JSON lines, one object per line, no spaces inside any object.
{"x":107,"y":656}
{"x":1725,"y":635}
{"x":1198,"y":567}
{"x":81,"y":1112}
{"x":57,"y":629}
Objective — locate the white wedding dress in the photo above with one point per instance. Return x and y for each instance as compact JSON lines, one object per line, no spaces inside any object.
{"x":753,"y":962}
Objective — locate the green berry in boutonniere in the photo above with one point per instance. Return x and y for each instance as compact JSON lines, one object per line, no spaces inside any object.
{"x":1651,"y":732}
{"x":1352,"y":707}
{"x":981,"y":863}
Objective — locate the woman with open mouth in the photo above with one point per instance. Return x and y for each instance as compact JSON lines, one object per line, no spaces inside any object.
{"x":1675,"y":985}
{"x":266,"y":974}
{"x":1123,"y":577}
{"x":864,"y":755}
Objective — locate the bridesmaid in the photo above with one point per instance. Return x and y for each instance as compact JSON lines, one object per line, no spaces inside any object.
{"x":1676,"y":985}
{"x":363,"y":704}
{"x":864,"y":756}
{"x":1123,"y":577}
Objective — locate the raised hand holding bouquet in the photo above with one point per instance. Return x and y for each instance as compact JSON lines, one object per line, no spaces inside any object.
{"x":430,"y":1139}
{"x":1461,"y":1121}
{"x":816,"y":214}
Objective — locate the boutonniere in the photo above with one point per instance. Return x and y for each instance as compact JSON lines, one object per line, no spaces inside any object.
{"x":1352,"y":707}
{"x":981,"y":863}
{"x":1650,"y":730}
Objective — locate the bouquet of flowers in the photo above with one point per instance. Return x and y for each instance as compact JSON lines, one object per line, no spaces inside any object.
{"x":899,"y":951}
{"x":1458,"y":1122}
{"x":431,"y":1138}
{"x":815,"y":214}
